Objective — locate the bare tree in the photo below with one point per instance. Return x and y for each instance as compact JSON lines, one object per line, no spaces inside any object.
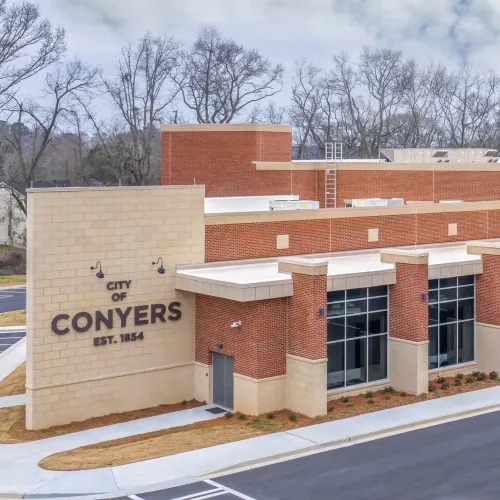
{"x":143,"y":94}
{"x":64,"y":89}
{"x":468,"y":100}
{"x":221,"y":78}
{"x":28,"y":45}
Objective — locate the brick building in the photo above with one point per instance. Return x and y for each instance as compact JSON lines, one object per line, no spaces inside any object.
{"x":253,"y":309}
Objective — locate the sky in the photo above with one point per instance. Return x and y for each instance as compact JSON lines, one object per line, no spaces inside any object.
{"x":284,"y":30}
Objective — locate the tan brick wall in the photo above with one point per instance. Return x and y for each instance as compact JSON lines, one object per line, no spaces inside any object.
{"x":68,"y":377}
{"x":258,"y":346}
{"x":408,"y":315}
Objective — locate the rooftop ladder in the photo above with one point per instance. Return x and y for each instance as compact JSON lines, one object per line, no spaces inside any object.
{"x":333,"y":152}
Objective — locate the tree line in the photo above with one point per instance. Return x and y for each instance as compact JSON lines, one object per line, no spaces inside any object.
{"x":88,"y":124}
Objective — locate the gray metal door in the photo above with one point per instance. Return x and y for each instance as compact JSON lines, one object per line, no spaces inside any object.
{"x":223,"y":383}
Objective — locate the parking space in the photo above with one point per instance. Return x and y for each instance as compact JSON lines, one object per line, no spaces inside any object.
{"x":12,"y":298}
{"x":195,"y":491}
{"x":9,"y":339}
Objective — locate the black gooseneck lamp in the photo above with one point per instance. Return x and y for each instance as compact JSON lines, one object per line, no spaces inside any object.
{"x":98,"y":266}
{"x":161,"y":269}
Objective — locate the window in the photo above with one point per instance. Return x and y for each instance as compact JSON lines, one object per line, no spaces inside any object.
{"x":357,"y":336}
{"x":451,"y":321}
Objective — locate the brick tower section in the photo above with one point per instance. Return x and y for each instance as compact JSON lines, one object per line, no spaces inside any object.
{"x":221,"y":157}
{"x":307,"y":329}
{"x":408,"y":318}
{"x":488,"y":292}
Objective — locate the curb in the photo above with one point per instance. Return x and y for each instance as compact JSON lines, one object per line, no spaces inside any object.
{"x":13,"y":329}
{"x":318,"y":448}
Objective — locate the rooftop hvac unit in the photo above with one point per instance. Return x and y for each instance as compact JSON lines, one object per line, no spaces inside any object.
{"x":378,"y":202}
{"x":293,"y":205}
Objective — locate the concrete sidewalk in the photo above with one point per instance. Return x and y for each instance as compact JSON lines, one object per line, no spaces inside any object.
{"x":19,"y":474}
{"x":11,"y":358}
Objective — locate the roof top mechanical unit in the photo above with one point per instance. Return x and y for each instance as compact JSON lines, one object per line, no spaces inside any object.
{"x":293,"y":205}
{"x":378,"y":202}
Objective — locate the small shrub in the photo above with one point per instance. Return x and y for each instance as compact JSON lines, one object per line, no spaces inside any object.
{"x":369,"y":394}
{"x":255,"y":421}
{"x":370,"y":402}
{"x":493,"y":375}
{"x":403,"y":393}
{"x":458,"y":382}
{"x":475,"y":373}
{"x":350,"y":403}
{"x":184,"y":403}
{"x":270,"y":416}
{"x":242,"y":416}
{"x":389,"y":390}
{"x":459,"y":376}
{"x":445,"y":386}
{"x":440,"y":380}
{"x":469,"y":379}
{"x":432,"y":387}
{"x":59,"y":432}
{"x":332,"y":417}
{"x":481,"y":376}
{"x":228,"y":414}
{"x":345,"y":399}
{"x":292,"y":417}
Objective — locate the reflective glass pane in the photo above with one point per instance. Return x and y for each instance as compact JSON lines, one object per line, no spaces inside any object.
{"x":377,"y":291}
{"x":446,"y":282}
{"x":466,"y":341}
{"x":355,"y":361}
{"x":433,"y":284}
{"x":466,"y":309}
{"x":433,"y":314}
{"x":447,"y":312}
{"x":448,"y":294}
{"x":335,"y":329}
{"x":335,"y":365}
{"x":379,"y":304}
{"x":377,"y":322}
{"x":466,"y":280}
{"x":465,"y":292}
{"x":433,"y":347}
{"x":377,"y":358}
{"x":355,"y":307}
{"x":448,"y":345}
{"x":336,"y":309}
{"x":335,"y":296}
{"x":433,"y":296}
{"x":356,"y":326}
{"x":357,"y":293}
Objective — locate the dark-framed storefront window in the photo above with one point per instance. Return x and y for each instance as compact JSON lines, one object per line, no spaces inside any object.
{"x":452,"y":315}
{"x":358,"y":326}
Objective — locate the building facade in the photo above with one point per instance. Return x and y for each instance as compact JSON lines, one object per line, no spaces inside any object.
{"x":138,"y":296}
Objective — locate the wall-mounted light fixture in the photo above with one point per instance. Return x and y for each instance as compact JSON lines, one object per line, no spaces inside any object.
{"x":220,"y":346}
{"x":161,"y":269}
{"x":321,"y":311}
{"x":424,"y":297}
{"x":236,"y":324}
{"x":99,"y":274}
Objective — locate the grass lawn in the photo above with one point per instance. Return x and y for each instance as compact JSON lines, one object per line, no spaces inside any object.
{"x":13,"y":318}
{"x":14,"y":383}
{"x":12,"y":280}
{"x":237,"y":427}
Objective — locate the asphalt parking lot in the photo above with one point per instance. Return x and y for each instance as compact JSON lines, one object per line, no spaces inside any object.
{"x":9,"y":339}
{"x":12,"y":298}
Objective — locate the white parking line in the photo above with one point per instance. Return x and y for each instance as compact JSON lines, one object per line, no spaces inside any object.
{"x":6,"y":296}
{"x":228,"y":490}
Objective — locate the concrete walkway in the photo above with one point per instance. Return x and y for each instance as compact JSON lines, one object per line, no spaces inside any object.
{"x":11,"y":358}
{"x":19,"y":473}
{"x":7,"y":401}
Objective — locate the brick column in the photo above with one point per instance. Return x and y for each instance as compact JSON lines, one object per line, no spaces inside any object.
{"x":408,"y":320}
{"x":487,"y":305}
{"x":306,"y":364}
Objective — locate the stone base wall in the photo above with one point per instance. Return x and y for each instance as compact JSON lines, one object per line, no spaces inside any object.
{"x":408,"y":365}
{"x":257,"y":396}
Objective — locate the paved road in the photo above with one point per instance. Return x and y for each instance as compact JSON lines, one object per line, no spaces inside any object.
{"x":454,"y":461}
{"x":9,"y":339}
{"x":12,"y":299}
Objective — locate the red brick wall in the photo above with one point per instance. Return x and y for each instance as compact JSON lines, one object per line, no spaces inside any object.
{"x":487,"y":291}
{"x":258,"y":346}
{"x":306,"y":328}
{"x":254,"y":240}
{"x":408,"y":316}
